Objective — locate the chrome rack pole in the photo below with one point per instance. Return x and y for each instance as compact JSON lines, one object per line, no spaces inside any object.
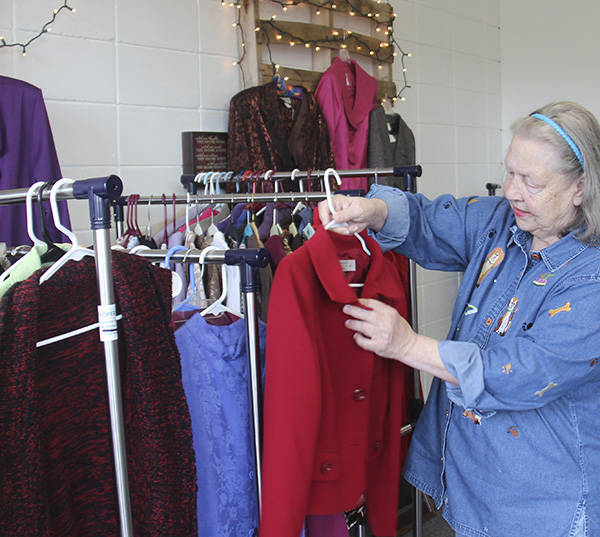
{"x":100,"y":192}
{"x":411,"y":186}
{"x":398,"y":171}
{"x":249,"y":260}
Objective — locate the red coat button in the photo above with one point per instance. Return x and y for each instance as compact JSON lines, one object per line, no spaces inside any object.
{"x":359,"y":394}
{"x":326,"y":467}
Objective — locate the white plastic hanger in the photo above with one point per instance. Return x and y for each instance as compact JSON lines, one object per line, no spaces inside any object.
{"x":333,"y":223}
{"x":267,"y":177}
{"x":218,"y":306}
{"x":76,"y":252}
{"x":275,"y":227}
{"x":212,"y":229}
{"x":36,"y":241}
{"x":299,"y":206}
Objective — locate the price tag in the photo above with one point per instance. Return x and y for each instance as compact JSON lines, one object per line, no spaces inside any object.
{"x":107,"y":320}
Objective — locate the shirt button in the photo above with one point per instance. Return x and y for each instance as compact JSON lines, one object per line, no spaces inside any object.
{"x":447,"y":414}
{"x":359,"y":394}
{"x":377,"y":446}
{"x":488,"y":321}
{"x":535,"y":256}
{"x":326,"y":467}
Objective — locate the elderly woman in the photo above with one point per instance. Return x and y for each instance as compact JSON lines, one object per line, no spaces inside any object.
{"x":508,"y":443}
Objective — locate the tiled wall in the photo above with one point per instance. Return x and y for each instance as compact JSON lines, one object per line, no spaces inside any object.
{"x":123,"y":78}
{"x":454,"y":109}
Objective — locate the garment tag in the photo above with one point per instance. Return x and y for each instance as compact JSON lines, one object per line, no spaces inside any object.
{"x":176,"y":284}
{"x":348,"y":265}
{"x":308,"y":231}
{"x":107,"y":320}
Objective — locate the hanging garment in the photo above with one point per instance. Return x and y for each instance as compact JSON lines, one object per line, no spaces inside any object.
{"x":391,"y":143}
{"x":266,"y":132}
{"x":216,"y":379}
{"x":57,"y":476}
{"x":332,"y":411}
{"x":347,"y":94}
{"x":28,"y":264}
{"x":27,"y":155}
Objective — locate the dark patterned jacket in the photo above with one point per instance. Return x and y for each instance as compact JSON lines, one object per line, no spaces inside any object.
{"x":56,"y":456}
{"x":266,"y":134}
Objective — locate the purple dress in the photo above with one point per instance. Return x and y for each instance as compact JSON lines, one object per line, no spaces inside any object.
{"x":27,"y":155}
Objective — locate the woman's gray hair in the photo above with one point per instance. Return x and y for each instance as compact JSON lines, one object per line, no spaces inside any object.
{"x":583,"y":128}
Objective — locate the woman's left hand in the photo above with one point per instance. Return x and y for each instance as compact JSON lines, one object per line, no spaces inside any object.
{"x":380,"y":329}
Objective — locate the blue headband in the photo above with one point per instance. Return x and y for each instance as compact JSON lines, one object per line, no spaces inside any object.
{"x":565,"y":136}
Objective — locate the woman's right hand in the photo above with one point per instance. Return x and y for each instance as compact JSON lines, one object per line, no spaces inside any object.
{"x":358,"y":213}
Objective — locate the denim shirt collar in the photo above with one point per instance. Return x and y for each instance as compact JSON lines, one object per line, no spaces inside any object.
{"x":554,"y":256}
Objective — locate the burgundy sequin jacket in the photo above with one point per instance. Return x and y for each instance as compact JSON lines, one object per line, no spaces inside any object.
{"x":266,"y":134}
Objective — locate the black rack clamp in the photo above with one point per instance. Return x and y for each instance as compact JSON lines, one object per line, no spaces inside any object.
{"x":492,"y":187}
{"x":188,"y":182}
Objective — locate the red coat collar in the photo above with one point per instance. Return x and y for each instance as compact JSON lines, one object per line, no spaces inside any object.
{"x":323,"y":255}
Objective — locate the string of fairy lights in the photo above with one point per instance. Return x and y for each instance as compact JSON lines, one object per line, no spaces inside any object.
{"x":342,"y":39}
{"x":45,"y":29}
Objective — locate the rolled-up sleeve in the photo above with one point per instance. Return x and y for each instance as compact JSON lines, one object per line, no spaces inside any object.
{"x":395,"y":229}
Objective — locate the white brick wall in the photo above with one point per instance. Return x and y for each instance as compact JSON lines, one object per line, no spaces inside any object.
{"x":453,"y":108}
{"x":123,"y":78}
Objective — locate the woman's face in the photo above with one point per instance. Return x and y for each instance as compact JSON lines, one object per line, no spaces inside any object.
{"x":544,"y":201}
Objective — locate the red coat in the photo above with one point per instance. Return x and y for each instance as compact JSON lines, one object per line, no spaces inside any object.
{"x":332,"y":411}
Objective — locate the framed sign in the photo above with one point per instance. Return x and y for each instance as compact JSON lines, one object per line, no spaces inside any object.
{"x":204,"y":152}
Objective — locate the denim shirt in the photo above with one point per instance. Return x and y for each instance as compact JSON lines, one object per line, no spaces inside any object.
{"x":515,"y":450}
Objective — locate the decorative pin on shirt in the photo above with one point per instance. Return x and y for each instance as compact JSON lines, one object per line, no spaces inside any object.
{"x":543,"y":279}
{"x":470,"y":309}
{"x":506,"y":320}
{"x":494,"y":259}
{"x":566,"y":307}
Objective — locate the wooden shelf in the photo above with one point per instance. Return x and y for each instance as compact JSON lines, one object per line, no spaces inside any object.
{"x":328,"y":37}
{"x":325,"y":37}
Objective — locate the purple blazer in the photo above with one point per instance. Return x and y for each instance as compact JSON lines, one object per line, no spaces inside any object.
{"x":27,"y":155}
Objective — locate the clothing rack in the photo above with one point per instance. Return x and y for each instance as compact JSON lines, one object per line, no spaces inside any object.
{"x":249,"y":260}
{"x":408,"y":175}
{"x":108,"y":190}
